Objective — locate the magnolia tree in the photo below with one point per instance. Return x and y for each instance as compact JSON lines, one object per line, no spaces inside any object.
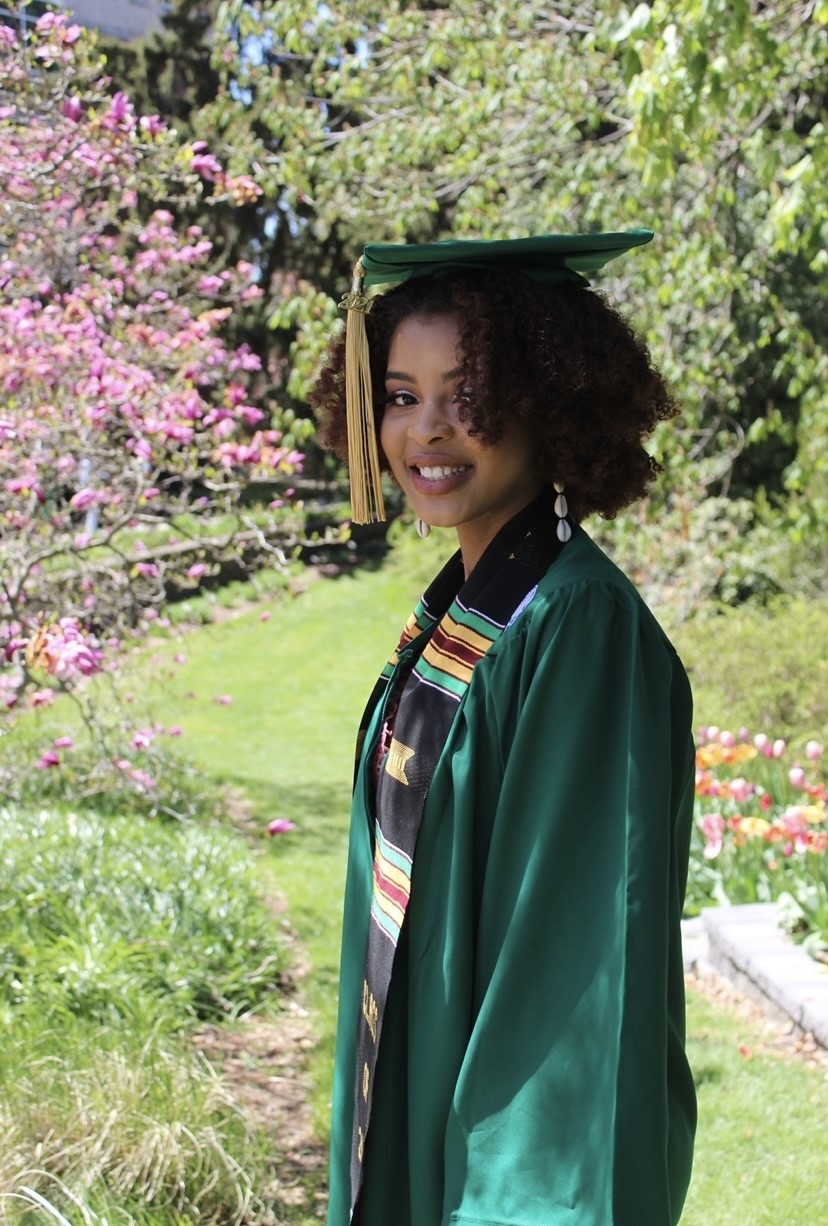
{"x":127,"y":424}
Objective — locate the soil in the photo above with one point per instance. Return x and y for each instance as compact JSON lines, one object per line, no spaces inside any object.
{"x":264,"y":1064}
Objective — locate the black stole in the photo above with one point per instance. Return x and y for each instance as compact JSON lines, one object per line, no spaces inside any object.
{"x":452,"y":627}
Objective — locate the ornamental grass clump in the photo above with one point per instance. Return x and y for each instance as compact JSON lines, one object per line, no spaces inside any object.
{"x":761,"y":830}
{"x":125,"y":923}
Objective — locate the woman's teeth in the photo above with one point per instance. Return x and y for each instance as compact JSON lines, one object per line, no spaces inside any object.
{"x":440,"y":474}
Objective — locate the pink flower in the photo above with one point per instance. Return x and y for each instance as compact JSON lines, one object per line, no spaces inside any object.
{"x":224,"y":700}
{"x":760,"y":741}
{"x":42,"y":698}
{"x":180,"y":658}
{"x":266,"y":616}
{"x":813,"y":751}
{"x":778,"y":748}
{"x":727,"y":739}
{"x":49,"y":758}
{"x":281,"y":825}
{"x":72,"y":109}
{"x":152,"y":124}
{"x":63,"y":742}
{"x":797,"y":778}
{"x":143,"y":739}
{"x":197,"y":570}
{"x":741,"y":790}
{"x":206,"y":165}
{"x":85,"y":499}
{"x":175,"y":730}
{"x":712,"y":827}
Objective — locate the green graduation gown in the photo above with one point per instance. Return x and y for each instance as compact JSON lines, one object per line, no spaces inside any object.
{"x":531,"y":1067}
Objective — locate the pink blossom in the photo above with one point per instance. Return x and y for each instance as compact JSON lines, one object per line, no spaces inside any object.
{"x":224,"y":700}
{"x":813,"y":751}
{"x":143,"y":779}
{"x":778,"y":748}
{"x":47,"y":759}
{"x":86,"y":498}
{"x":727,"y":739}
{"x":152,"y":125}
{"x":280,"y":825}
{"x":741,"y":790}
{"x":73,"y":109}
{"x":760,"y":741}
{"x":197,"y":570}
{"x":712,"y":827}
{"x":180,"y":658}
{"x":175,"y":730}
{"x":63,"y":742}
{"x":148,"y":570}
{"x":42,"y":698}
{"x":206,"y":165}
{"x":266,"y":616}
{"x":143,"y":739}
{"x":797,"y":777}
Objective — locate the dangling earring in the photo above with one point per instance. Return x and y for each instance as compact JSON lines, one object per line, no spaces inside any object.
{"x":561,"y":510}
{"x":423,"y":529}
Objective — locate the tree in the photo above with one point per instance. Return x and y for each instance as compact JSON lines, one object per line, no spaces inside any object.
{"x":128,"y":428}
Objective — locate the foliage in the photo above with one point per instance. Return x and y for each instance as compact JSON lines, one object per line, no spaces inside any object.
{"x":764,"y":667}
{"x":119,"y":923}
{"x":118,"y":937}
{"x":124,"y":411}
{"x":133,"y":1127}
{"x":401,"y":121}
{"x":761,"y":831}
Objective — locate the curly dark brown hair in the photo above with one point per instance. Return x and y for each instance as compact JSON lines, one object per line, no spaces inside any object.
{"x":557,"y":359}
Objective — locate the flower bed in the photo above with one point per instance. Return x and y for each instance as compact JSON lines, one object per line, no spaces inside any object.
{"x":761,"y":831}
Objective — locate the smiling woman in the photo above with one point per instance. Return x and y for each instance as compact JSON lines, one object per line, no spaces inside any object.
{"x":510,"y":1046}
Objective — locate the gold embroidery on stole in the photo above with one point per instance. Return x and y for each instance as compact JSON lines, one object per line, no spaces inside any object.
{"x":398,"y":757}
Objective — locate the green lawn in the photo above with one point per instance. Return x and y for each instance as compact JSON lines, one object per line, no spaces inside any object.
{"x":298,"y":682}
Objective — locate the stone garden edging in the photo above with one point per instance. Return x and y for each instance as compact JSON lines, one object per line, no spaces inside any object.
{"x":746,"y":946}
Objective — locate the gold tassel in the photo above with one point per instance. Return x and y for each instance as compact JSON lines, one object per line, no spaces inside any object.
{"x":367,"y":504}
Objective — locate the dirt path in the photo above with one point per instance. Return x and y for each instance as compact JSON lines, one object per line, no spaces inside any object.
{"x":264,"y":1064}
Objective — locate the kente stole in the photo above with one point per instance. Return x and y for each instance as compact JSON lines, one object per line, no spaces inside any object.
{"x":450,"y":630}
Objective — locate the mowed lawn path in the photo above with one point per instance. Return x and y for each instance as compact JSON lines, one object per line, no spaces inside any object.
{"x":297,"y":682}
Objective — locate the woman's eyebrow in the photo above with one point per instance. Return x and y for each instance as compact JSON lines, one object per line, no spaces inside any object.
{"x":407,"y":378}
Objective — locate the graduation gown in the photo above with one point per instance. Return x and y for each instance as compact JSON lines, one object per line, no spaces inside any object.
{"x":531,"y":1067}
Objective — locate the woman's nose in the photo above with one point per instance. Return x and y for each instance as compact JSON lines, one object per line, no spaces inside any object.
{"x":432,"y":422}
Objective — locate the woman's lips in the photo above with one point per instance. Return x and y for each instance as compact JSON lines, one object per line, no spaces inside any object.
{"x":438,"y":478}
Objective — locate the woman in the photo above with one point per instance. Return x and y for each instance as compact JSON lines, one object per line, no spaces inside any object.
{"x":510,"y":1047}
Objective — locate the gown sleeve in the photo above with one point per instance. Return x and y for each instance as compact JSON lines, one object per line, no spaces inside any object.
{"x":574,"y":1105}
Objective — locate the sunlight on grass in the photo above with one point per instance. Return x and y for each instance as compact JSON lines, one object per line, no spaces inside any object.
{"x":760,"y":1153}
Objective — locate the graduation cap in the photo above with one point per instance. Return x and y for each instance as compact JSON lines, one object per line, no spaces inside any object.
{"x":548,"y":258}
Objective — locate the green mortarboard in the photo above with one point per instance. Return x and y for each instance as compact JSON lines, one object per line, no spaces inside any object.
{"x":548,"y":258}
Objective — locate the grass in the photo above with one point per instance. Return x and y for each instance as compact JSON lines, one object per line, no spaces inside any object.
{"x":760,"y":1153}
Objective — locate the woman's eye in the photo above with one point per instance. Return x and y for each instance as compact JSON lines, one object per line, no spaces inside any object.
{"x":399,"y":399}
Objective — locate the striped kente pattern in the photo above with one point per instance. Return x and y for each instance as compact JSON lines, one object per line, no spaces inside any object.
{"x":392,"y":887}
{"x":462,"y":639}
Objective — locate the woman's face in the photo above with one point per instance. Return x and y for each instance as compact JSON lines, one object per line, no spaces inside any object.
{"x":451,"y":479}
